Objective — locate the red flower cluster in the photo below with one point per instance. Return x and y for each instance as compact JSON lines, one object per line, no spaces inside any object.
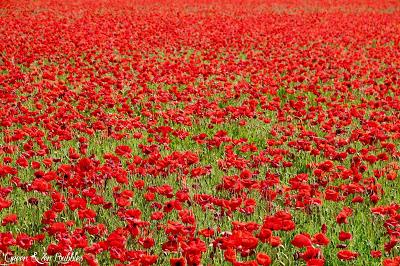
{"x":199,"y":132}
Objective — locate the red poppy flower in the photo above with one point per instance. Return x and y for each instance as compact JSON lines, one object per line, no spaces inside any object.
{"x":123,"y":150}
{"x":376,"y":253}
{"x":343,"y":236}
{"x":263,"y":259}
{"x":315,"y":262}
{"x":275,"y":241}
{"x":343,"y":215}
{"x":320,"y":239}
{"x":347,"y":255}
{"x":301,"y":240}
{"x":230,"y":255}
{"x":9,"y":219}
{"x":392,"y":261}
{"x":177,"y":262}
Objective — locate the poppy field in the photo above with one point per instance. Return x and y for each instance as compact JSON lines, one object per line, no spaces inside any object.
{"x":203,"y":132}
